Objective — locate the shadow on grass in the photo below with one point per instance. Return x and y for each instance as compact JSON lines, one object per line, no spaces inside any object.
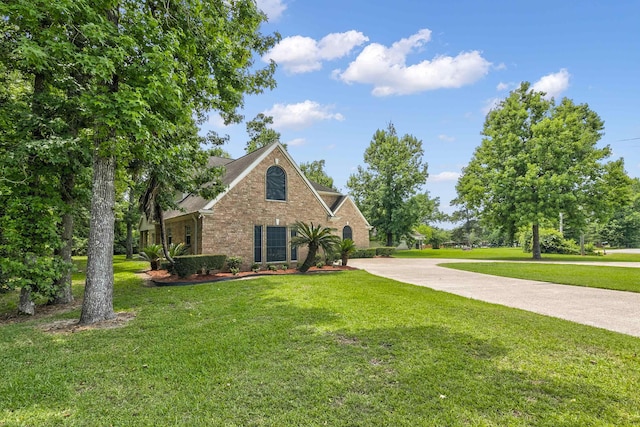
{"x":274,"y":352}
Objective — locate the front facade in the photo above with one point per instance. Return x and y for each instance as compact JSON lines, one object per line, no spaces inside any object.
{"x":254,"y":217}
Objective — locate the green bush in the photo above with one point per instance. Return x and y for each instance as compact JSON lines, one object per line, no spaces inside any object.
{"x":234,"y":263}
{"x":255,"y":267}
{"x":190,"y":264}
{"x":552,"y":242}
{"x":364,"y":253}
{"x":385,"y":251}
{"x":273,"y":267}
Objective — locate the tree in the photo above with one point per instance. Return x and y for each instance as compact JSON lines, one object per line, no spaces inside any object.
{"x":385,"y":190}
{"x":538,"y":159}
{"x":260,"y":135}
{"x":141,"y":72}
{"x":314,"y":237}
{"x":347,"y":248}
{"x":314,"y":171}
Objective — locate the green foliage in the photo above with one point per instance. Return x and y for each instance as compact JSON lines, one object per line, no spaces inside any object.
{"x":315,"y":237}
{"x":385,"y":251}
{"x":346,"y":250}
{"x":187,"y":265}
{"x":152,"y":254}
{"x":273,"y":267}
{"x":177,"y":249}
{"x":553,"y":242}
{"x":260,"y":135}
{"x":364,"y":253}
{"x":255,"y":267}
{"x":234,"y":263}
{"x":403,"y":346}
{"x":538,"y":159}
{"x":320,"y":264}
{"x":385,"y":191}
{"x":314,"y":171}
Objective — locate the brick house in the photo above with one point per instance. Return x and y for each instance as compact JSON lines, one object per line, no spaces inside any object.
{"x":266,"y":193}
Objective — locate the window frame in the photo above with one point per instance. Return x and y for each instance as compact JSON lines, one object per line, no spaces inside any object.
{"x":269,"y":192}
{"x":350,"y":232}
{"x":281,"y":248}
{"x":257,"y":244}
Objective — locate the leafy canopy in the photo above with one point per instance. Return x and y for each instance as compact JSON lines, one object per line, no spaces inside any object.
{"x":538,"y":159}
{"x":385,"y":190}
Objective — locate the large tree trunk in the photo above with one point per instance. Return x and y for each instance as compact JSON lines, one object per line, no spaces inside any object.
{"x":98,"y":297}
{"x":26,"y":306}
{"x":536,"y":241}
{"x":62,"y":285}
{"x":389,"y":239}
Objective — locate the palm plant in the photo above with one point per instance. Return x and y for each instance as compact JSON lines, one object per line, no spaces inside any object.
{"x":153,"y":254}
{"x":347,"y":248}
{"x":314,"y":237}
{"x":177,"y":249}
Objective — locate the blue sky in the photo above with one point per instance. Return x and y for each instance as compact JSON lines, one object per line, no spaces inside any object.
{"x":347,"y":68}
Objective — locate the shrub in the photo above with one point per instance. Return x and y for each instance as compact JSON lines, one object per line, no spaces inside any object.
{"x":320,"y":264}
{"x":272,"y":267}
{"x":551,"y":242}
{"x":255,"y":267}
{"x":190,"y":264}
{"x":234,"y":263}
{"x":284,"y":266}
{"x":347,"y":249}
{"x":234,"y":270}
{"x":385,"y":251}
{"x":152,"y":254}
{"x":177,"y":249}
{"x":364,"y":253}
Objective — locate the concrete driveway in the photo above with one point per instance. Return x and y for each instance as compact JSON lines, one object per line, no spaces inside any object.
{"x":613,"y":310}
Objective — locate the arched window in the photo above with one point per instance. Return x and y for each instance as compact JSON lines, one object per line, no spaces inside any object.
{"x":276,"y":183}
{"x":347,"y":233}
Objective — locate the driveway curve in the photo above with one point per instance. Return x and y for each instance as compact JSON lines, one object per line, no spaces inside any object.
{"x":617,"y":311}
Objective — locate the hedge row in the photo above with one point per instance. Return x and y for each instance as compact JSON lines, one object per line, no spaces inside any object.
{"x":372,"y":252}
{"x":385,"y":251}
{"x":187,"y":265}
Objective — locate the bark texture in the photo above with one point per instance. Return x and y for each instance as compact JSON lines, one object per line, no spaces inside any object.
{"x":98,"y":298}
{"x":26,"y":306}
{"x":536,"y":241}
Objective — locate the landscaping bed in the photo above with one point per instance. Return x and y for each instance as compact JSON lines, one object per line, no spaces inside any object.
{"x":164,"y":278}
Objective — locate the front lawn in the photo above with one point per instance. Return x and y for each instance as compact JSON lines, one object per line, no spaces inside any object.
{"x":510,"y":254}
{"x":593,"y":276}
{"x":343,"y":349}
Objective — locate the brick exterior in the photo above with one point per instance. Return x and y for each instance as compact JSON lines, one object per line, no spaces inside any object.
{"x":229,"y":229}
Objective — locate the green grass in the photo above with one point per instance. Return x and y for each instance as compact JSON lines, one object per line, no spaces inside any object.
{"x":346,"y":349}
{"x":616,"y":278}
{"x":510,"y":254}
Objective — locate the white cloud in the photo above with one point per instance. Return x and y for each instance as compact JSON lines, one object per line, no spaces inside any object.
{"x":505,"y":86}
{"x":444,"y":176}
{"x":490,"y":104}
{"x":297,"y":142}
{"x":273,"y":8}
{"x":386,"y":69}
{"x":298,"y":54}
{"x":553,"y":84}
{"x":447,"y":138}
{"x":301,"y":115}
{"x":500,"y":66}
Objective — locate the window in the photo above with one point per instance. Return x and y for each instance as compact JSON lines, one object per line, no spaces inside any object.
{"x":187,"y":235}
{"x":294,"y":249}
{"x":169,"y":236}
{"x":257,"y":243}
{"x":276,"y":183}
{"x":276,"y":244}
{"x":347,"y":233}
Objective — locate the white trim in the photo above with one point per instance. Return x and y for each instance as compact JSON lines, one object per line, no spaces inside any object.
{"x":357,"y":210}
{"x":259,"y":160}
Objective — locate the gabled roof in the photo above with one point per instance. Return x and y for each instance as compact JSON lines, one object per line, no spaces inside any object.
{"x":235,"y":171}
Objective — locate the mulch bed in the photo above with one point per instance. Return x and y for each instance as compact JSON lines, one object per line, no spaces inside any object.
{"x":164,"y":278}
